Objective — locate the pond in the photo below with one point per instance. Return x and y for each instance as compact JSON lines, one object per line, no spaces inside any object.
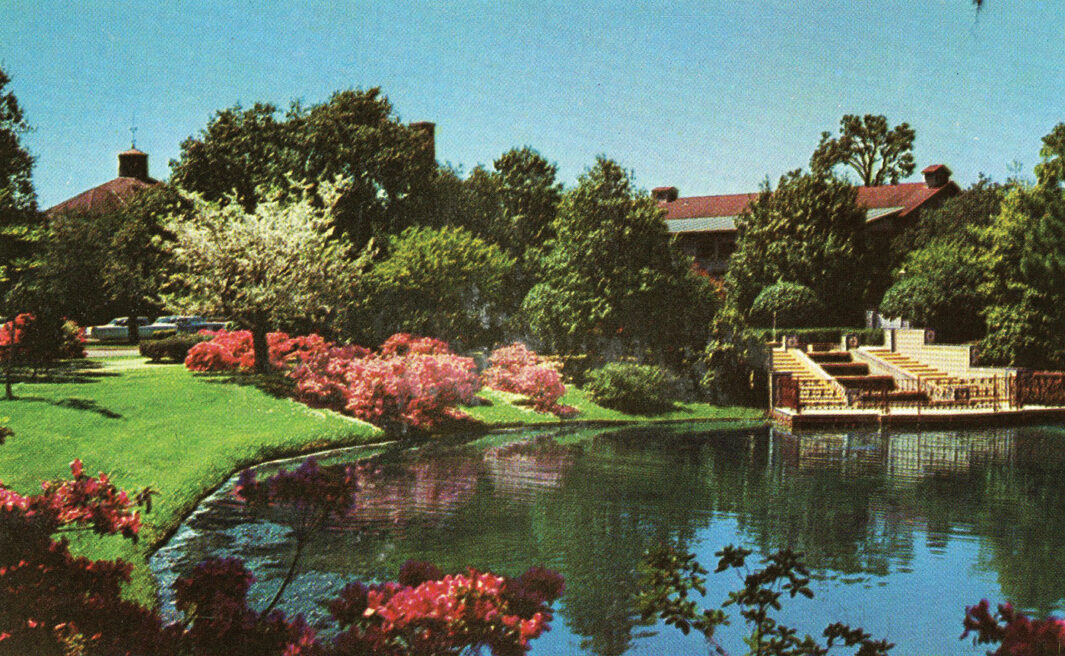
{"x":901,"y":530}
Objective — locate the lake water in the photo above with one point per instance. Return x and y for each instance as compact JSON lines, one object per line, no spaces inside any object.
{"x":902,"y":530}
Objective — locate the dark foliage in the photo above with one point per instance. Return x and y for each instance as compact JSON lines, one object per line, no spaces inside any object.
{"x":633,"y":388}
{"x":174,"y":348}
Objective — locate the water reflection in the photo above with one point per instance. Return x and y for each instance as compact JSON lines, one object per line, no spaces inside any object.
{"x":899,"y":513}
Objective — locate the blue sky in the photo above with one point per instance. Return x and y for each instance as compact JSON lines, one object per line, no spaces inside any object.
{"x":709,"y":96}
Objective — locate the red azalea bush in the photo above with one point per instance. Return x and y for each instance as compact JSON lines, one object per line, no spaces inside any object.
{"x":41,"y":341}
{"x":49,"y":597}
{"x":402,"y":344}
{"x":54,"y":603}
{"x":478,"y":608}
{"x":231,"y":350}
{"x":519,"y":370}
{"x":411,"y":381}
{"x":1015,"y":633}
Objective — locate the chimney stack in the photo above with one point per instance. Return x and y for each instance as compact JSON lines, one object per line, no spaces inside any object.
{"x":936,"y":175}
{"x":665,"y":194}
{"x":133,"y":164}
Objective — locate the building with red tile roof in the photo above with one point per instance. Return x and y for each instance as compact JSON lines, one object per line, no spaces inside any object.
{"x":132,"y":178}
{"x":706,"y":225}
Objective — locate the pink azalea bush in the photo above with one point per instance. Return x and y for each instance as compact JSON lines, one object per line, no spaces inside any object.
{"x":411,"y":381}
{"x":518,"y":370}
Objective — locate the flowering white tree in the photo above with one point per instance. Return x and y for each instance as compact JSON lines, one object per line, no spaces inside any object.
{"x":278,"y":263}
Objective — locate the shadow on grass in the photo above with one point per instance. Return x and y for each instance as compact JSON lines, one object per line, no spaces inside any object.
{"x":72,"y":402}
{"x":63,"y":372}
{"x":276,"y":385}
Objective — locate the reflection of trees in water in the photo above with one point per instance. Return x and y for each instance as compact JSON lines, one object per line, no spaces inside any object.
{"x":854,"y":503}
{"x":1023,"y":520}
{"x":628,"y":491}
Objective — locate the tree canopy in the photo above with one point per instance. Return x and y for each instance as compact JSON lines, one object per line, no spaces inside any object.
{"x":440,"y":282}
{"x":248,"y":154}
{"x":127,"y":263}
{"x":611,"y":274}
{"x":806,"y":231}
{"x":18,"y":200}
{"x":879,"y":154}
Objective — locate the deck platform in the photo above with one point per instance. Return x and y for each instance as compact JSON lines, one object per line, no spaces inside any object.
{"x":814,"y":419}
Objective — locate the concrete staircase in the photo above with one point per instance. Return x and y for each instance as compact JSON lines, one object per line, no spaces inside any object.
{"x":914,"y":368}
{"x":814,"y":389}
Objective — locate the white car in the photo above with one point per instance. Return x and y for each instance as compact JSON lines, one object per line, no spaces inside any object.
{"x":115,"y":330}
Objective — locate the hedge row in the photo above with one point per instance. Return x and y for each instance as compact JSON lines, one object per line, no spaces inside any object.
{"x":866,"y":336}
{"x":172,"y":347}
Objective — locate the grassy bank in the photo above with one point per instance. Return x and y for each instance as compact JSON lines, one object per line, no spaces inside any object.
{"x":501,"y":410}
{"x":155,"y":425}
{"x":183,"y":434}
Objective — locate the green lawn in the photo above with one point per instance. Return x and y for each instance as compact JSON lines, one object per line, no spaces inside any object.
{"x":185,"y":434}
{"x":155,"y":425}
{"x":503,"y":412}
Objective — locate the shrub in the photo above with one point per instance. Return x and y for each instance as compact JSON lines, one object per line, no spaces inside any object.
{"x":795,"y":306}
{"x":872,"y":336}
{"x":413,"y":381}
{"x":630,"y":387}
{"x":518,"y":370}
{"x":418,"y":390}
{"x":174,"y":348}
{"x":39,"y":342}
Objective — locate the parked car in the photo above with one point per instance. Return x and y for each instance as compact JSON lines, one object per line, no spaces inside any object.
{"x":185,"y":324}
{"x":116,"y":330}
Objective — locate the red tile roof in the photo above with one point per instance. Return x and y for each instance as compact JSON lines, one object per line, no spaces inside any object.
{"x":106,"y":197}
{"x":907,"y":197}
{"x":697,"y":207}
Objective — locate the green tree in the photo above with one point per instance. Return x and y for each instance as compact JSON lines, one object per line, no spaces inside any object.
{"x":137,"y":263}
{"x":66,"y":263}
{"x":808,"y":231}
{"x":529,"y":195}
{"x":514,"y":205}
{"x":612,"y":274}
{"x":128,"y":263}
{"x":737,"y":360}
{"x":786,"y":305}
{"x":19,"y":219}
{"x":263,"y":268}
{"x":241,"y":153}
{"x":942,"y":289}
{"x":1026,"y":311}
{"x":441,"y":282}
{"x":1051,"y":171}
{"x":879,"y":154}
{"x":248,"y":154}
{"x":963,"y":218}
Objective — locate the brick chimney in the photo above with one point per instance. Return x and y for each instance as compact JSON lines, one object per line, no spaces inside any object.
{"x":936,"y":175}
{"x":428,"y":130}
{"x":665,"y":194}
{"x":133,"y":164}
